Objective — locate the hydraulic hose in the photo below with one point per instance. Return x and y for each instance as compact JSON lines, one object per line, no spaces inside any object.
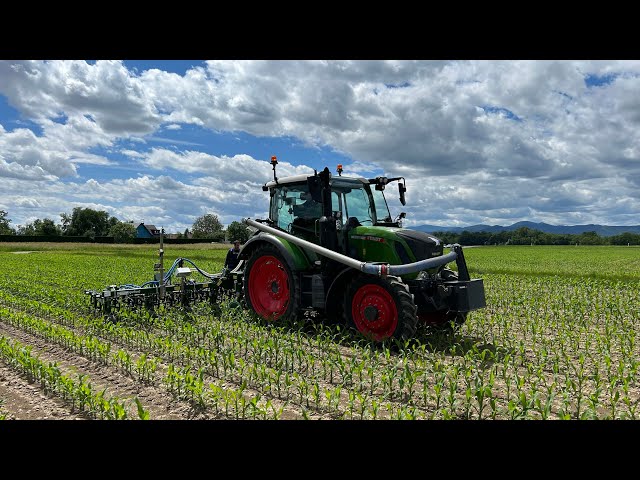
{"x":426,"y":264}
{"x":380,"y":269}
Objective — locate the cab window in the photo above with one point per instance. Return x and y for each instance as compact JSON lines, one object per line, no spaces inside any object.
{"x":292,"y":205}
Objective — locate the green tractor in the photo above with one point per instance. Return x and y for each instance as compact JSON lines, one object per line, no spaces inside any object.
{"x":330,"y":246}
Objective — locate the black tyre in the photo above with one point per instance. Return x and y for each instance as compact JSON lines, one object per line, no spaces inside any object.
{"x":380,"y":309}
{"x":270,"y":288}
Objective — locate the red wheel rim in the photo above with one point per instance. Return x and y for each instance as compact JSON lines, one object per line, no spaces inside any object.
{"x":269,"y":287}
{"x":374,"y":312}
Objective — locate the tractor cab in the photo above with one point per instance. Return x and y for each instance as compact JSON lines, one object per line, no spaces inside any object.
{"x":325,"y":210}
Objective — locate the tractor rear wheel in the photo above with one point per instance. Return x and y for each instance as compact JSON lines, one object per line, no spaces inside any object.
{"x":380,"y":309}
{"x":270,"y":288}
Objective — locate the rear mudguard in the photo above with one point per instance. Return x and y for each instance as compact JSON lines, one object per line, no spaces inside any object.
{"x":296,"y":258}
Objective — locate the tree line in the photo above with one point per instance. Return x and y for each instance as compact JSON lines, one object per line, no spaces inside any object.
{"x":87,"y":222}
{"x":531,"y":236}
{"x":90,"y":223}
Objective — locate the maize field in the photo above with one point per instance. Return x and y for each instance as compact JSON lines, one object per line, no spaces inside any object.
{"x":558,"y":340}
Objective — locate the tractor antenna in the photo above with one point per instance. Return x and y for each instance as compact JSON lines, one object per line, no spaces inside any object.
{"x":274,"y":162}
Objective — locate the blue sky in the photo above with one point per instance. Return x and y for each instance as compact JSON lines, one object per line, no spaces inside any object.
{"x":164,"y":142}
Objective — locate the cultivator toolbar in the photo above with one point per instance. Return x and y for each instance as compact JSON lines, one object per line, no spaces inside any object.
{"x":163,"y":291}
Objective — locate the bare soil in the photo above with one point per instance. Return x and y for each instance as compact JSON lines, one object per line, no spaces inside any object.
{"x":27,"y":401}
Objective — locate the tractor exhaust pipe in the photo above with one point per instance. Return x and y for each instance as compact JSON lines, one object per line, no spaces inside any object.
{"x":373,"y":268}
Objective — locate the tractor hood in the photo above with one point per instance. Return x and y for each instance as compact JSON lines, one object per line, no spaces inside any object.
{"x":395,"y":245}
{"x":421,"y":244}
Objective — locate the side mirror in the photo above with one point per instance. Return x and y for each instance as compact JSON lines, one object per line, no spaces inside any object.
{"x":401,"y":190}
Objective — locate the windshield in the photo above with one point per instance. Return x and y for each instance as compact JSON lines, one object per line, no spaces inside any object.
{"x":382,"y":209}
{"x":357,"y":204}
{"x":359,"y":200}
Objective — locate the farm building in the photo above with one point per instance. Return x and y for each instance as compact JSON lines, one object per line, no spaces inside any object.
{"x":147,"y":231}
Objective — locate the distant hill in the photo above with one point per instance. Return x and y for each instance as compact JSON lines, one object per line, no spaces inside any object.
{"x":602,"y":230}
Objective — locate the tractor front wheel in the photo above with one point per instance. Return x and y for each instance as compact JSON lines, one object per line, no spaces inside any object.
{"x":270,"y":288}
{"x":380,"y":309}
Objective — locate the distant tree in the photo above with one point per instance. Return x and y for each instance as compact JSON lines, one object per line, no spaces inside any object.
{"x":557,"y":239}
{"x":87,"y":222}
{"x":590,"y":238}
{"x":122,"y":232}
{"x":626,"y":238}
{"x":446,"y":237}
{"x":473,"y":238}
{"x":40,"y":227}
{"x":207,"y":226}
{"x":66,"y":223}
{"x":495,"y":239}
{"x":186,"y":233}
{"x":5,"y":229}
{"x":522,"y":236}
{"x":238,"y":231}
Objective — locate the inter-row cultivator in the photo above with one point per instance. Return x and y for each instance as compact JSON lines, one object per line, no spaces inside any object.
{"x":176,"y":288}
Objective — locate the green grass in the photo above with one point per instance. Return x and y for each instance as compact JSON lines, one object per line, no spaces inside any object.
{"x":606,"y":262}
